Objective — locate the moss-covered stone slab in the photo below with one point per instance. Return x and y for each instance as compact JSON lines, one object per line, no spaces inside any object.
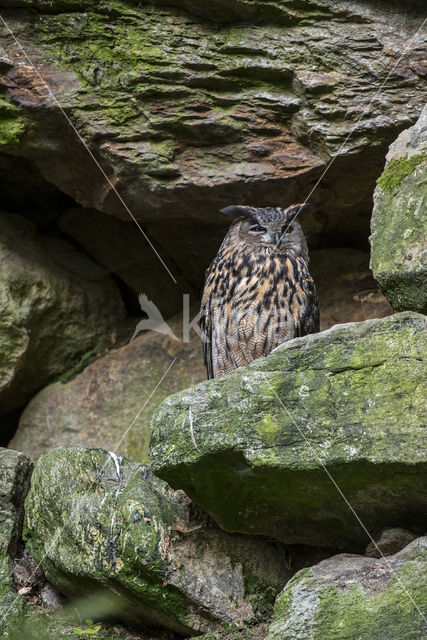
{"x":349,"y":597}
{"x":251,"y":447}
{"x":15,"y":472}
{"x":120,"y":389}
{"x":57,"y":307}
{"x":100,"y":523}
{"x":399,"y":221}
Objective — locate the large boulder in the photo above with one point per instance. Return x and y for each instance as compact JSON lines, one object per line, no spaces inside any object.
{"x":348,"y":597}
{"x":399,"y":223}
{"x":15,"y":473}
{"x":111,"y":402}
{"x":192,"y":106}
{"x":56,"y":308}
{"x":100,"y":523}
{"x":269,"y":448}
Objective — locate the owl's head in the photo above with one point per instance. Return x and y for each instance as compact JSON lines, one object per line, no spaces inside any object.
{"x":270,"y":228}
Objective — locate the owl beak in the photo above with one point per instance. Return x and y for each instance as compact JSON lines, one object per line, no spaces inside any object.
{"x":277,"y":240}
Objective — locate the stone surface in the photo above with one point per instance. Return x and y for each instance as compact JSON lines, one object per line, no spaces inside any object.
{"x":389,"y":542}
{"x":15,"y":472}
{"x":399,"y":221}
{"x":56,"y":309}
{"x":96,"y":521}
{"x":116,"y":391}
{"x":349,"y":597}
{"x":347,"y":291}
{"x":349,"y":398}
{"x":194,"y":106}
{"x":122,"y":250}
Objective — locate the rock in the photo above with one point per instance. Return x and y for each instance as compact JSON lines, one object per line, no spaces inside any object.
{"x":97,"y":521}
{"x":348,"y":597}
{"x":347,"y":291}
{"x":399,"y":224}
{"x":189,"y":108}
{"x":121,"y":248}
{"x":15,"y":472}
{"x":56,"y":309}
{"x":116,"y":391}
{"x":389,"y":542}
{"x":251,"y":447}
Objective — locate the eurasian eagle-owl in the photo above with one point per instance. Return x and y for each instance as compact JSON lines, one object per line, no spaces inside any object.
{"x":258,"y":291}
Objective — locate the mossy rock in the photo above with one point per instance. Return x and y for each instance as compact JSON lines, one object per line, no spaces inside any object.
{"x":255,"y":448}
{"x":100,"y":524}
{"x":349,"y":597}
{"x":399,"y":223}
{"x":15,"y":472}
{"x":56,"y":308}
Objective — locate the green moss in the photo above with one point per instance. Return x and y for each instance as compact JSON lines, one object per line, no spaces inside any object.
{"x":397,"y":170}
{"x":12,"y":125}
{"x":84,"y":361}
{"x":387,"y":615}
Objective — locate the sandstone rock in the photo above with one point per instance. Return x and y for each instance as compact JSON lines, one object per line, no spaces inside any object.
{"x":389,"y":542}
{"x":399,"y":223}
{"x":187,"y":115}
{"x":55,"y":309}
{"x":251,"y":447}
{"x":97,"y":521}
{"x":15,"y":472}
{"x":348,"y":597}
{"x":116,"y":391}
{"x":347,"y":291}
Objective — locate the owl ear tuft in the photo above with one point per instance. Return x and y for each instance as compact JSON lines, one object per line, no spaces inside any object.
{"x":235,"y":211}
{"x":296,"y":209}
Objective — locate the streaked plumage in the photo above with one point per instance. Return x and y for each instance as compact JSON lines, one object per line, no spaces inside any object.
{"x":258,"y":291}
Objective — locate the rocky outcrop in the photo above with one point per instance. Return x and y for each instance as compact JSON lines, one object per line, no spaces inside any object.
{"x":97,"y":406}
{"x":56,"y":308}
{"x":348,"y":597}
{"x":15,"y":472}
{"x":111,"y":402}
{"x":252,"y":447}
{"x":189,"y":108}
{"x":399,"y":223}
{"x":96,"y":521}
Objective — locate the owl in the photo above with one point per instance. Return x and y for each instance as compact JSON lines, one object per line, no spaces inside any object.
{"x":258,"y":291}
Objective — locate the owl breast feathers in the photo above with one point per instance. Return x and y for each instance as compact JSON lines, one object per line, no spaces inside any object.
{"x":258,"y":291}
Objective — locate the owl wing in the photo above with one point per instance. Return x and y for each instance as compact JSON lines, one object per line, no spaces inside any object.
{"x":311,"y":322}
{"x":205,"y":323}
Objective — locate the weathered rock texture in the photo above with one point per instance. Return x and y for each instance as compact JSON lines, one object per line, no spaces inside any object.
{"x":399,"y":221}
{"x":111,"y":402}
{"x":194,"y":106}
{"x":251,"y":447}
{"x":347,"y":291}
{"x":15,"y":472}
{"x":96,"y":521}
{"x":55,"y":308}
{"x":348,"y":597}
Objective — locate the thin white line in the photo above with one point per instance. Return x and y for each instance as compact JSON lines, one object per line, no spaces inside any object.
{"x":61,"y":529}
{"x":144,"y":405}
{"x":51,"y":94}
{"x":352,"y":129}
{"x":313,"y":451}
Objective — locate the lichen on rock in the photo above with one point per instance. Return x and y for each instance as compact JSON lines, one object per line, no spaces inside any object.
{"x":348,"y":399}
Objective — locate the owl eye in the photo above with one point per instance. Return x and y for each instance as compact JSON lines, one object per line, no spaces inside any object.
{"x":256,"y":228}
